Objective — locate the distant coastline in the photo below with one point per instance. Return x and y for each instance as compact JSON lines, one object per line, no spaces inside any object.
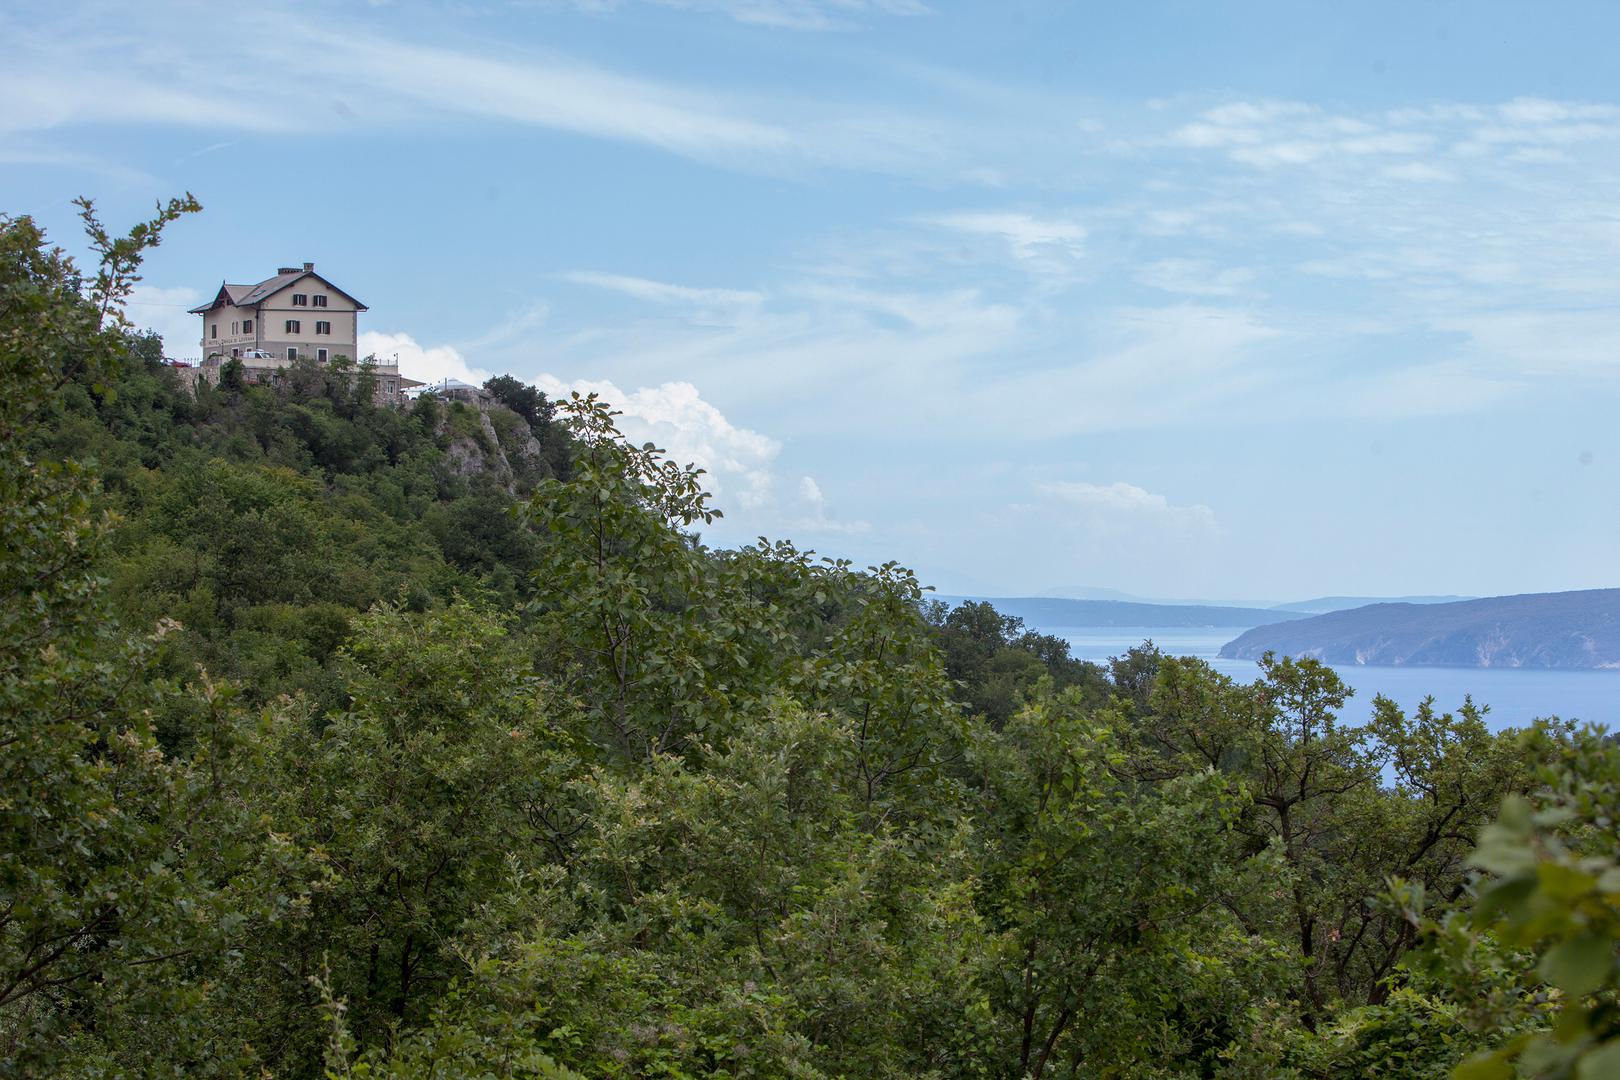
{"x":1566,"y":630}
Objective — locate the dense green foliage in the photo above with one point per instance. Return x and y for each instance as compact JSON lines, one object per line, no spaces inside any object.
{"x":352,"y":741}
{"x":263,"y":519}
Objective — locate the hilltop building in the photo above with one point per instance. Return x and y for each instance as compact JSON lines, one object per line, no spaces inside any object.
{"x":295,"y":315}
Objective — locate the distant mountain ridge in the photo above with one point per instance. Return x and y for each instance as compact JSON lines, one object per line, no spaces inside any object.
{"x":1046,"y":612}
{"x":1567,"y":630}
{"x":1319,"y":605}
{"x":1324,"y":604}
{"x":1090,"y":592}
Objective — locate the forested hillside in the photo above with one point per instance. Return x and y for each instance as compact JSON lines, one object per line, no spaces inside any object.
{"x":263,"y":519}
{"x":342,"y":741}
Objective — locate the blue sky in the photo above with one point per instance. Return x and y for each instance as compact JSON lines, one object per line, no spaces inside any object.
{"x":1247,"y":301}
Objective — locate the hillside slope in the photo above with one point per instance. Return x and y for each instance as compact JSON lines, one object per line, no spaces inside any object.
{"x":263,"y":520}
{"x":1532,"y":630}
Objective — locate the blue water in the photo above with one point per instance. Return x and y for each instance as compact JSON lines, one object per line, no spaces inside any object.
{"x":1515,"y":696}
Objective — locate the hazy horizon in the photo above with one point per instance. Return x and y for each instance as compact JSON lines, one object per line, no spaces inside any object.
{"x":1283,"y":301}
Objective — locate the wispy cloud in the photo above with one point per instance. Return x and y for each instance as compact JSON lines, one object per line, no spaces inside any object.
{"x":1125,"y":507}
{"x":1027,"y":236}
{"x":516,"y":328}
{"x":22,"y":152}
{"x":780,"y":14}
{"x":211,"y":148}
{"x":1278,"y":134}
{"x":380,"y":81}
{"x":660,"y":292}
{"x":332,"y":76}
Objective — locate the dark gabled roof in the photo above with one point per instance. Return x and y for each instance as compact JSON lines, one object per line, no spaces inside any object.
{"x":224,"y":296}
{"x":253,"y":295}
{"x":269,"y":287}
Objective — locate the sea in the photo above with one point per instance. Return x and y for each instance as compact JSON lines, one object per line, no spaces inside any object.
{"x":1516,"y":696}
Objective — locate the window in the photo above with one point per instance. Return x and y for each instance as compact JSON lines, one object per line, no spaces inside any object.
{"x":300,"y":300}
{"x":213,"y":330}
{"x":293,"y":326}
{"x":323,"y":327}
{"x":236,"y":352}
{"x":233,"y":329}
{"x":247,"y":326}
{"x":292,"y":353}
{"x":320,"y":354}
{"x":320,"y":301}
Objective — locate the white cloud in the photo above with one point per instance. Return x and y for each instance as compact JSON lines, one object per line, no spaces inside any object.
{"x":416,"y":361}
{"x":303,"y":67}
{"x":952,"y":311}
{"x":1286,"y":152}
{"x":814,"y":516}
{"x":782,"y":14}
{"x":1028,"y":236}
{"x":1419,"y":171}
{"x":660,"y":292}
{"x":1148,"y":367}
{"x":1120,"y":507}
{"x":1537,"y":155}
{"x":691,"y":430}
{"x":543,"y":91}
{"x":1271,"y":135}
{"x":331,"y":76}
{"x":516,"y":328}
{"x":18,"y":151}
{"x":1532,"y":343}
{"x":164,"y":310}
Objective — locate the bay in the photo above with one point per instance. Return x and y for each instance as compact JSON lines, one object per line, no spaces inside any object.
{"x":1516,"y":696}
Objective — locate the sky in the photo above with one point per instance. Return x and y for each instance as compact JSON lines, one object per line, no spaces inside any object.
{"x":1246,"y":301}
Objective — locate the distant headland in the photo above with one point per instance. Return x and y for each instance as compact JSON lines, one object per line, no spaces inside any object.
{"x":1566,"y":630}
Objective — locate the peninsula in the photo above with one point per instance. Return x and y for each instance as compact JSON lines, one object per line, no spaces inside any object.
{"x":1531,"y":630}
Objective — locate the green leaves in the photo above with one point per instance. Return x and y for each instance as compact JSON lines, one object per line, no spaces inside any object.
{"x":1554,"y":863}
{"x":1579,"y":965}
{"x":1601,"y":1064}
{"x":108,"y":845}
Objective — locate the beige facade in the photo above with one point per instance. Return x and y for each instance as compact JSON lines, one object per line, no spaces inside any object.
{"x":296,"y":315}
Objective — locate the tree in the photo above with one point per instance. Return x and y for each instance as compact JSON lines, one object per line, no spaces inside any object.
{"x":1554,"y":891}
{"x":522,"y":399}
{"x":410,"y":808}
{"x":1096,"y":889}
{"x":994,"y":661}
{"x":1317,"y":801}
{"x":103,"y":887}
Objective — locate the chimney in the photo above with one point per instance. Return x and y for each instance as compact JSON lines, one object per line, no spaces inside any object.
{"x":308,"y":267}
